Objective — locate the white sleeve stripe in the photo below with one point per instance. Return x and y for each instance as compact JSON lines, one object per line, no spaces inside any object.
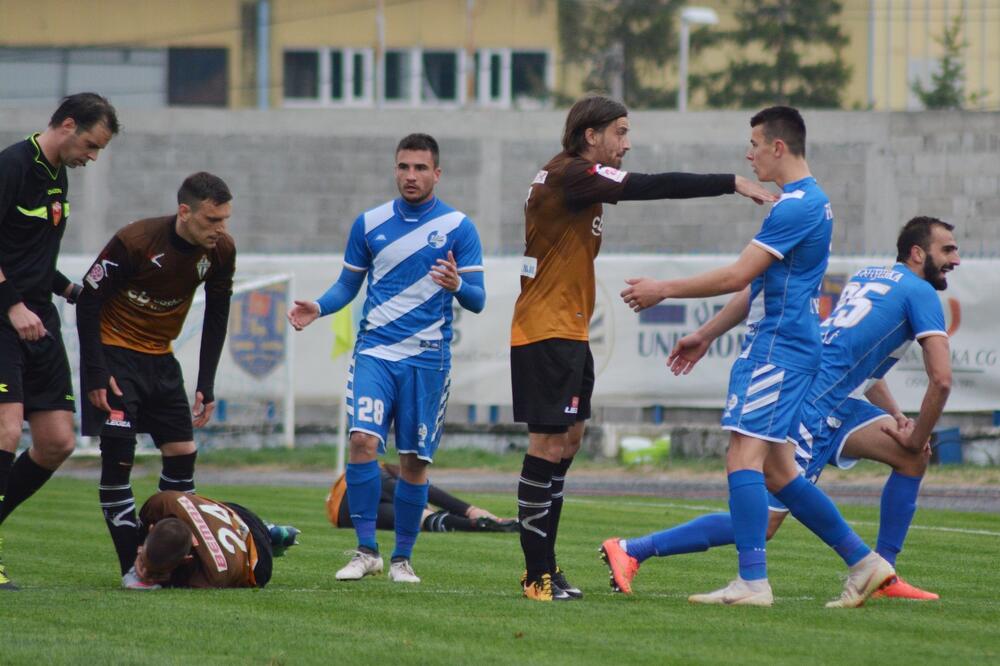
{"x":352,"y":267}
{"x":767,"y":248}
{"x":927,"y":334}
{"x":469,"y":269}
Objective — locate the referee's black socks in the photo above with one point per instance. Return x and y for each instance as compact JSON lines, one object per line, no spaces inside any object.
{"x":26,"y":476}
{"x":534,"y":503}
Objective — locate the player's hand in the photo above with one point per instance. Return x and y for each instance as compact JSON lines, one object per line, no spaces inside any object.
{"x":903,"y":436}
{"x":755,"y":191}
{"x":99,"y":397}
{"x":27,"y":324}
{"x":445,"y":273}
{"x":642,"y":293}
{"x":302,"y":314}
{"x":201,"y":411}
{"x":474,"y":512}
{"x":686,"y":353}
{"x":903,"y":421}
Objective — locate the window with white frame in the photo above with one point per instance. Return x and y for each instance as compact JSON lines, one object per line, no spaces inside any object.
{"x":328,"y":76}
{"x":441,"y":77}
{"x":507,"y":77}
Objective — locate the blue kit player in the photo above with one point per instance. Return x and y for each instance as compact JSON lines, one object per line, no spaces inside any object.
{"x":880,"y":312}
{"x":419,"y":255}
{"x":783,"y":266}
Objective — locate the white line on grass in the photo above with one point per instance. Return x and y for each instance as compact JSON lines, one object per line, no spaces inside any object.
{"x":702,"y":507}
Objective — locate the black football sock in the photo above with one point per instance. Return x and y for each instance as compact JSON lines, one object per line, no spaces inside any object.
{"x":558,"y":481}
{"x":444,"y":521}
{"x":178,"y":473}
{"x":117,"y":500}
{"x":6,"y":462}
{"x":26,"y":476}
{"x":534,"y":501}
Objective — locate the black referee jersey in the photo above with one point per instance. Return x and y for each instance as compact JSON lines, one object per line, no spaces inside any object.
{"x":33,"y":212}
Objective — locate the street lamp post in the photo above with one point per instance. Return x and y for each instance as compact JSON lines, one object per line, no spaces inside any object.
{"x":690,"y":15}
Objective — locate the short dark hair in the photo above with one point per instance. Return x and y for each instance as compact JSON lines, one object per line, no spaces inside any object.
{"x":785,"y":123}
{"x":203,"y":186}
{"x":86,"y":109}
{"x":167,"y":544}
{"x":592,"y":112}
{"x":917,"y":232}
{"x":419,"y":141}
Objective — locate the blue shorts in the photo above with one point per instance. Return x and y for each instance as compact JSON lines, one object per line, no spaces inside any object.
{"x":764,"y":399}
{"x":413,"y":399}
{"x":819,"y":441}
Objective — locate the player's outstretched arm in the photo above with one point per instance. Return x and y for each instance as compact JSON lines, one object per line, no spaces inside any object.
{"x":645,"y":292}
{"x":679,"y":185}
{"x":342,"y":292}
{"x":755,"y":191}
{"x":691,"y":348}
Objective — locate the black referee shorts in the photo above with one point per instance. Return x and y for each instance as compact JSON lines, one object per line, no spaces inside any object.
{"x":37,"y":373}
{"x":552,"y":383}
{"x":153,"y":399}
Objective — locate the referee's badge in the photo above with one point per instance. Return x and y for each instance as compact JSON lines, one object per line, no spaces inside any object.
{"x":57,"y":213}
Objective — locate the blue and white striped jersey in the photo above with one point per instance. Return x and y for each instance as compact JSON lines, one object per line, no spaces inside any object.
{"x":407,"y":317}
{"x":880,"y":312}
{"x":783,"y":322}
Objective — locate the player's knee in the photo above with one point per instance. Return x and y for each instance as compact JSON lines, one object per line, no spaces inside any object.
{"x":10,"y":434}
{"x":117,"y":458}
{"x":363,"y":447}
{"x":913,"y":463}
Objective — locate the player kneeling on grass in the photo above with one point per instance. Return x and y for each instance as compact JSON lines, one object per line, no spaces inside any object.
{"x":135,"y":299}
{"x":881,"y":310}
{"x":193,"y":541}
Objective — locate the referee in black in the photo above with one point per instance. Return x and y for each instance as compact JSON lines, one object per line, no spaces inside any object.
{"x":35,"y":382}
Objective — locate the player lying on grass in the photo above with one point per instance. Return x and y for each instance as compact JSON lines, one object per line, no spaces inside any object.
{"x":880,"y":312}
{"x":193,"y":541}
{"x":453,"y":515}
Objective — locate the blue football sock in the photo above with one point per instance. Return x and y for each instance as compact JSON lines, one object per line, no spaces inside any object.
{"x":899,"y":503}
{"x":408,"y":501}
{"x":364,"y":487}
{"x":748,"y":508}
{"x":815,"y":510}
{"x":694,"y":536}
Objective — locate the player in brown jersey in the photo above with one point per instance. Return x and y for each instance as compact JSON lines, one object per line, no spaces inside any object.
{"x":194,"y":541}
{"x":552,"y":370}
{"x":134,"y":302}
{"x":35,"y":380}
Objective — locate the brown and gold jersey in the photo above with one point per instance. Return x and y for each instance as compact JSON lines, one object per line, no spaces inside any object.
{"x":147,"y":275}
{"x":563,"y":225}
{"x":224,"y":550}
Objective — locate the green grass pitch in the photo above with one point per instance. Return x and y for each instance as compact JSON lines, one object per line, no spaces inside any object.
{"x":468,"y":609}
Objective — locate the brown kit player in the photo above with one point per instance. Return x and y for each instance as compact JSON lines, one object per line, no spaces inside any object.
{"x":194,"y":541}
{"x":552,"y":370}
{"x":135,"y":299}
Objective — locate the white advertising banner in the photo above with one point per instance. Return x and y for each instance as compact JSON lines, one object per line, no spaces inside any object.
{"x":630,"y":349}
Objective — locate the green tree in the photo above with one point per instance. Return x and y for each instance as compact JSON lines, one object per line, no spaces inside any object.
{"x":778,"y":42}
{"x":947,"y":89}
{"x":616,"y":41}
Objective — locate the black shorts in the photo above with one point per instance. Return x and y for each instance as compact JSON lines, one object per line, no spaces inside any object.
{"x":262,"y":538}
{"x":37,"y":373}
{"x":153,"y":399}
{"x":552,"y":382}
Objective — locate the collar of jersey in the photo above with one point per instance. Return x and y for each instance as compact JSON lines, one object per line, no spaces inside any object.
{"x":411,"y":213}
{"x":179,"y":243}
{"x":791,"y":187}
{"x":40,"y":156}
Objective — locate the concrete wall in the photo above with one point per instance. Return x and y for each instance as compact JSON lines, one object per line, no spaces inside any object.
{"x":300,"y":177}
